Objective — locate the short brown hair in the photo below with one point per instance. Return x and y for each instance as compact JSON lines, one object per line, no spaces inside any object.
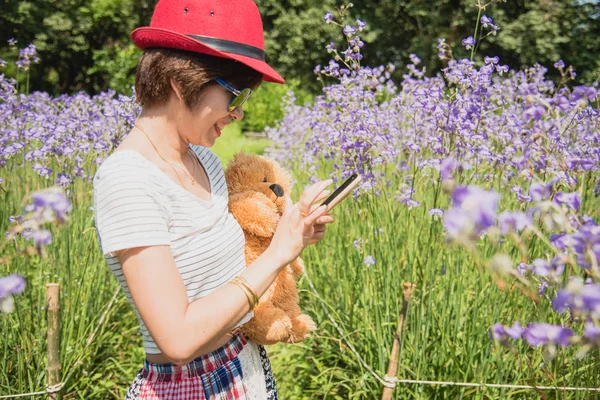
{"x":191,"y":71}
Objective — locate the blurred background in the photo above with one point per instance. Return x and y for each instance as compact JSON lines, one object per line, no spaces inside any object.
{"x":85,"y":44}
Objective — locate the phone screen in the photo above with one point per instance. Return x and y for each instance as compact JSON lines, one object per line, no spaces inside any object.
{"x":340,"y":189}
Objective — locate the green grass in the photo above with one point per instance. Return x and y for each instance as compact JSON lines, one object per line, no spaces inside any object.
{"x":446,"y":330}
{"x":233,"y":141}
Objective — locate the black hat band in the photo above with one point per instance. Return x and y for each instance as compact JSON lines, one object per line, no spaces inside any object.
{"x":228,"y":46}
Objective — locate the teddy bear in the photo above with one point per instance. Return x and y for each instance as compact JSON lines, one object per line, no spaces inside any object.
{"x":257,"y":197}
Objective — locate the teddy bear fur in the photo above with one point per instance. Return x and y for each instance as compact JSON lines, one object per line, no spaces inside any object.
{"x":257,"y":189}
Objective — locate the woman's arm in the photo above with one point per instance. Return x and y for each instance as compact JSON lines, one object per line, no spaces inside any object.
{"x":184,"y":330}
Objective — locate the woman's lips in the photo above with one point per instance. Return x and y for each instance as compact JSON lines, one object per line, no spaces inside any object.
{"x":218,"y":130}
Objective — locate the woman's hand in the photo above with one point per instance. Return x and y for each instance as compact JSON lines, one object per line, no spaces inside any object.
{"x":301,"y":224}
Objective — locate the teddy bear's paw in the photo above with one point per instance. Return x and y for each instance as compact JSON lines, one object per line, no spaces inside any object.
{"x":297,"y":268}
{"x":270,"y":325}
{"x":302,"y":326}
{"x":279,"y":330}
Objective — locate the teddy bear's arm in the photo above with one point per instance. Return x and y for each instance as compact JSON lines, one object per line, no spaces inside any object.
{"x":255,"y":213}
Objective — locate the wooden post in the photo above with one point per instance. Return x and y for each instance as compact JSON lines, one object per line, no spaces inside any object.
{"x":52,"y":294}
{"x":395,"y":355}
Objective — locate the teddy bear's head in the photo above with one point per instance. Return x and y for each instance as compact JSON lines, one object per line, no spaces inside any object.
{"x":262,"y":185}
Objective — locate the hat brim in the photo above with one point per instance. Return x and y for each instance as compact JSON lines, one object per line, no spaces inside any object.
{"x":147,"y":37}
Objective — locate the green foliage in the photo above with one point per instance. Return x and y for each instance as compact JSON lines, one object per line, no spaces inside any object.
{"x":234,"y":141}
{"x":445,"y":336}
{"x":296,"y":36}
{"x":67,"y":34}
{"x":547,"y":31}
{"x":264,"y":109}
{"x":77,"y":39}
{"x":101,"y":347}
{"x":118,"y":64}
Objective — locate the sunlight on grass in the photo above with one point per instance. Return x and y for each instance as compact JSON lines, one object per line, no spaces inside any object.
{"x":233,"y":141}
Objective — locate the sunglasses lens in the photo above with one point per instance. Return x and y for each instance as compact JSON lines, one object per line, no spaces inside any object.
{"x":239,"y":100}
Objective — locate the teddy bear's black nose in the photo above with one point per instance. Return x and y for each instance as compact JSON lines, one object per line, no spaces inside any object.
{"x":278,"y":190}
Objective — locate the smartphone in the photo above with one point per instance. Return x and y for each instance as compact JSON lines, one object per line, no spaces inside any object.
{"x":342,"y":191}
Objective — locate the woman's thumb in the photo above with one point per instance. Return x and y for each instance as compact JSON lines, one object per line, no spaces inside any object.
{"x":288,"y":203}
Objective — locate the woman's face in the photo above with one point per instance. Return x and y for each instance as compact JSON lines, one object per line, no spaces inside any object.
{"x":205,"y":122}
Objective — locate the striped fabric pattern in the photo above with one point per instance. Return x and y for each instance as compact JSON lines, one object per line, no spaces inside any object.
{"x":136,"y":204}
{"x":216,"y":375}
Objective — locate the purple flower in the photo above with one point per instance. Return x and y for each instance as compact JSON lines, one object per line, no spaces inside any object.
{"x":553,"y":269}
{"x":436,"y":211}
{"x":54,"y":199}
{"x":11,"y":285}
{"x":502,"y":69}
{"x":584,"y":164}
{"x":501,"y":333}
{"x":515,"y":331}
{"x":538,"y":334}
{"x":485,"y":21}
{"x":447,"y":167}
{"x":579,"y":297}
{"x":473,"y":212}
{"x":572,"y":200}
{"x":522,"y":268}
{"x":41,"y":238}
{"x":349,"y":30}
{"x":491,"y":60}
{"x":587,"y":93}
{"x":360,"y":24}
{"x":535,"y":112}
{"x":591,"y":331}
{"x":369,"y":260}
{"x":515,"y":221}
{"x":468,"y":42}
{"x":328,"y":17}
{"x":357,"y":243}
{"x":559,"y":64}
{"x":585,"y":243}
{"x":543,"y":287}
{"x":496,"y":333}
{"x":539,"y":191}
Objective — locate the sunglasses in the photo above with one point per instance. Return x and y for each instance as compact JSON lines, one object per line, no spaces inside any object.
{"x":240,"y":96}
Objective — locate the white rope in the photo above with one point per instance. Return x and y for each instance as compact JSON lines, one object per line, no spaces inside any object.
{"x":492,"y":385}
{"x":343,"y":335}
{"x":59,"y":386}
{"x":49,"y":390}
{"x":391,"y":382}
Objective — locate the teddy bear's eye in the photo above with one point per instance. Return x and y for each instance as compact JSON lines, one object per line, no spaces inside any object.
{"x":264,"y":180}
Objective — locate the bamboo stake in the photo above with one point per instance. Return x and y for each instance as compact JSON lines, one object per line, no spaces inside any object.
{"x":395,"y":355}
{"x":52,"y":294}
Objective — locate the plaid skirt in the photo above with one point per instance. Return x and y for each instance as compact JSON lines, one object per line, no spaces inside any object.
{"x":217,"y":375}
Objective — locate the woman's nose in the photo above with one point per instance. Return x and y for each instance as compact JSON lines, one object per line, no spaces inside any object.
{"x":237,"y":113}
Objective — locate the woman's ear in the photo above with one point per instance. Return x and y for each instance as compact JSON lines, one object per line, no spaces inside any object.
{"x":176,"y":89}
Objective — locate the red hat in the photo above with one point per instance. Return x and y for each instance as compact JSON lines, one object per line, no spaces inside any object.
{"x":223,"y":28}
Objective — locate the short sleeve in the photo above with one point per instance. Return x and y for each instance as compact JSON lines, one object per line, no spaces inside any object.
{"x":128,"y":210}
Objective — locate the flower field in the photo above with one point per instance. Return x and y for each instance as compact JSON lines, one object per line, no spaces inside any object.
{"x":481,"y":194}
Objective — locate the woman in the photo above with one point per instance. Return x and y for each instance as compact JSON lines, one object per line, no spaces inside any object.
{"x":161,"y":206}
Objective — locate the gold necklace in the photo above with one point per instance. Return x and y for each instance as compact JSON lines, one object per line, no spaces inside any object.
{"x":192,"y":180}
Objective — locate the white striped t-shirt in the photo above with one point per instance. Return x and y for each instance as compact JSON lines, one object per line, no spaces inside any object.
{"x":136,"y":204}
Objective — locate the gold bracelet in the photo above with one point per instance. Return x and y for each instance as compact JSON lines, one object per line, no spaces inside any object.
{"x":251,"y":299}
{"x":240,"y":279}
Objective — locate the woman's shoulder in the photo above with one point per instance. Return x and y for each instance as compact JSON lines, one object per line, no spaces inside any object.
{"x":125,"y":165}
